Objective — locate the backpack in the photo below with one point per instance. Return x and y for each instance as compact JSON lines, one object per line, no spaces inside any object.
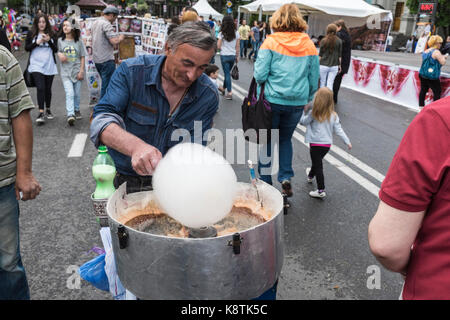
{"x":431,"y":68}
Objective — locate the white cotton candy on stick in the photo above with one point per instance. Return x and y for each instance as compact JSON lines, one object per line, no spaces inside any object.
{"x":194,"y":185}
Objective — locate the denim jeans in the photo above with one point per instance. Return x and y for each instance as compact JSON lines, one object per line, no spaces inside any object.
{"x":13,"y":280}
{"x":72,"y":96}
{"x":227,"y":64}
{"x":255,"y":48}
{"x":285,"y":119}
{"x":327,"y":75}
{"x":243,"y":48}
{"x":106,"y":70}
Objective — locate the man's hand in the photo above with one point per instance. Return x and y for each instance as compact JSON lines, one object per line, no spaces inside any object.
{"x":145,"y":159}
{"x":121,"y":37}
{"x":27,"y":184}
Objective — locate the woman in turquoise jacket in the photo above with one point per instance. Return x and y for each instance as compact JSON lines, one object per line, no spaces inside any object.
{"x":288,"y":65}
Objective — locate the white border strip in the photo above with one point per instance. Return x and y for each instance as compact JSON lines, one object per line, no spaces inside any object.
{"x":77,"y":148}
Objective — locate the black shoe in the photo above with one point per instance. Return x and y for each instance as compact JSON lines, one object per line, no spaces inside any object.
{"x":41,"y":118}
{"x":287,"y":188}
{"x":78,"y":115}
{"x":49,"y":115}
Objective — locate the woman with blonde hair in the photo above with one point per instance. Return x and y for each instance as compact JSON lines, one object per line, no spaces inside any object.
{"x":288,"y":67}
{"x":189,"y":15}
{"x":430,"y":71}
{"x":330,"y":54}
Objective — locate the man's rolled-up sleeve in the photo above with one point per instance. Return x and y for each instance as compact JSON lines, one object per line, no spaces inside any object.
{"x":101,"y":122}
{"x":112,"y":106}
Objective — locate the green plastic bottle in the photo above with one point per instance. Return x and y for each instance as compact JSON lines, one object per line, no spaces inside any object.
{"x":104,"y":171}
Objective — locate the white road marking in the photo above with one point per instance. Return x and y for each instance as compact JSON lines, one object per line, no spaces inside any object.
{"x":77,"y":148}
{"x":358,"y":163}
{"x":366,"y":184}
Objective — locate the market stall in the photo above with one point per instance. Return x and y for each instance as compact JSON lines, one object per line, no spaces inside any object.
{"x":369,"y":26}
{"x":204,"y":9}
{"x":143,"y":36}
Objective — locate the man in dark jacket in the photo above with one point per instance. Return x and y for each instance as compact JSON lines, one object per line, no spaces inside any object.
{"x":445,"y":49}
{"x":346,"y":56}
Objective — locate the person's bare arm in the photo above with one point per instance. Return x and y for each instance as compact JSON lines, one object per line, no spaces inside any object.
{"x":238,"y":48}
{"x":23,"y":140}
{"x":144,"y":157}
{"x":391,"y":234}
{"x":219,"y":44}
{"x":439,"y":57}
{"x":80,"y":75}
{"x":116,"y":40}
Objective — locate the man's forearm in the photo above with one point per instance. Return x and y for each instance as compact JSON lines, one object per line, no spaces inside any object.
{"x":23,"y":140}
{"x":117,"y":138}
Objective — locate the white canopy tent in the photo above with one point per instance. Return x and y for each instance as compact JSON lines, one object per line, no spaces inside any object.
{"x":322,"y":12}
{"x":204,"y":9}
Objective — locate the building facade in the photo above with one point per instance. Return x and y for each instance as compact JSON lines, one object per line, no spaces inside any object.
{"x":404,"y":22}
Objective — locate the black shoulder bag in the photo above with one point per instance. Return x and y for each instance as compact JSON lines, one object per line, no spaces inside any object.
{"x":27,"y":76}
{"x":257,"y":115}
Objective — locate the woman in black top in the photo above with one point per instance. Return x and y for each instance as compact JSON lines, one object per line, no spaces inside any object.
{"x":346,"y":56}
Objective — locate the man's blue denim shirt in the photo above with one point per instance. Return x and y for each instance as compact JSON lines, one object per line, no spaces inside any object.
{"x":136,"y":101}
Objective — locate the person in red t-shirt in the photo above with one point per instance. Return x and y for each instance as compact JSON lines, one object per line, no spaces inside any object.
{"x":410,"y":232}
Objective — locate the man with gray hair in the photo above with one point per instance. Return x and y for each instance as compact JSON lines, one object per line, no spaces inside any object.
{"x":149,"y":97}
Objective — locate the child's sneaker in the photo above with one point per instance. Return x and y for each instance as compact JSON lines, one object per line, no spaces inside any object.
{"x":318,"y":194}
{"x":310,"y":180}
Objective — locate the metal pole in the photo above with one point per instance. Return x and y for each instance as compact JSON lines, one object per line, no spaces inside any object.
{"x":260,"y":13}
{"x":239,"y":16}
{"x":433,"y":17}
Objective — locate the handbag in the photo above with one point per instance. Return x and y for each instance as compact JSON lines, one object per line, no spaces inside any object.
{"x":430,"y":68}
{"x":256,"y":115}
{"x":235,"y":72}
{"x":28,"y":77}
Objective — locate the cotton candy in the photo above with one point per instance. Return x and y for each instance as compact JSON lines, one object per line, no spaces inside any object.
{"x":195,"y":185}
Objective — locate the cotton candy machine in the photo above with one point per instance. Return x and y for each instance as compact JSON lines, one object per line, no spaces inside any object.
{"x":239,"y":257}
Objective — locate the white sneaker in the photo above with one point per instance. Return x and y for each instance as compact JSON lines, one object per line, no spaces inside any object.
{"x":307,"y":175}
{"x":317,"y":194}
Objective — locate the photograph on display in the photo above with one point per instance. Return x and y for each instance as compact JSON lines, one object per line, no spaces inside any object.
{"x":124,"y":24}
{"x":155,"y":27}
{"x":146,"y":28}
{"x":136,"y":26}
{"x":137,"y":40}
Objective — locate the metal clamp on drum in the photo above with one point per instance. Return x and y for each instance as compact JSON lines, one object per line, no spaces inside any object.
{"x":236,"y":243}
{"x":123,"y":237}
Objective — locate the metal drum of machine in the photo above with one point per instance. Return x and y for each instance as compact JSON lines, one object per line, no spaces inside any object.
{"x":157,"y":258}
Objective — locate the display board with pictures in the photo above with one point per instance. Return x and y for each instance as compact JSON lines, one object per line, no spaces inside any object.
{"x":149,"y":34}
{"x":149,"y":38}
{"x":92,"y":77}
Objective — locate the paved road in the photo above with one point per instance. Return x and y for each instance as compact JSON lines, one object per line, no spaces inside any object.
{"x":327,"y":254}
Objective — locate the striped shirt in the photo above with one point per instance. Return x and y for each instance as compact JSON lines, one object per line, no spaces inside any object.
{"x":14,"y":98}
